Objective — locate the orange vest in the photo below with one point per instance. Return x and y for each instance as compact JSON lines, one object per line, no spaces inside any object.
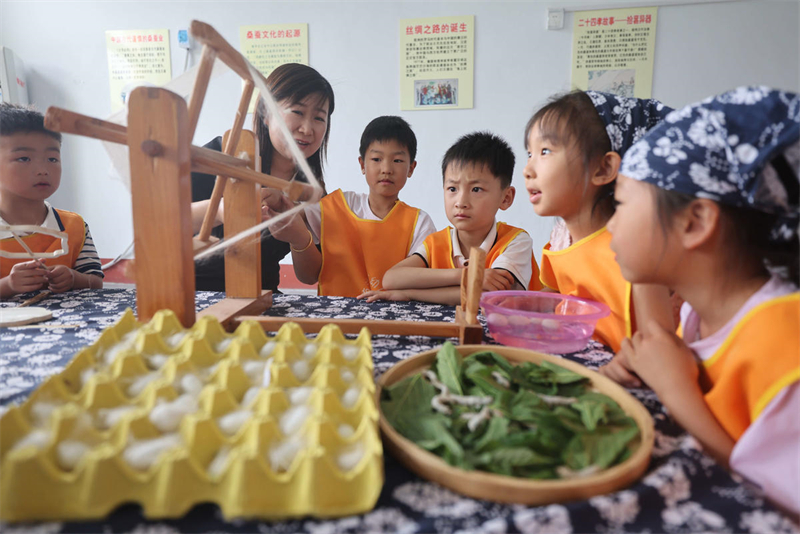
{"x":758,"y":359}
{"x":356,"y":252}
{"x":439,"y":247}
{"x":73,"y":225}
{"x":587,"y":269}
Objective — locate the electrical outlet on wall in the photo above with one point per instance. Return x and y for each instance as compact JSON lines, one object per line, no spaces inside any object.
{"x":555,"y":18}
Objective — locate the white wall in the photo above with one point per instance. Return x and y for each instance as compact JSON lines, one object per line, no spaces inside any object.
{"x":701,"y":49}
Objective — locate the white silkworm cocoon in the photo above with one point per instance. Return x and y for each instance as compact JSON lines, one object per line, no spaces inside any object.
{"x":346,"y":374}
{"x":497,"y":319}
{"x":156,"y":361}
{"x":550,"y":324}
{"x":301,"y":370}
{"x":346,"y":431}
{"x":250,"y":396}
{"x":299,"y":395}
{"x":310,"y":350}
{"x":518,"y":320}
{"x":175,"y":339}
{"x":139,"y":383}
{"x":108,"y":417}
{"x":69,"y":453}
{"x":350,"y":352}
{"x":293,"y":419}
{"x":267,"y":349}
{"x":535,"y":321}
{"x":206,"y":372}
{"x":349,"y":456}
{"x":191,"y":384}
{"x":87,"y":375}
{"x":111,"y":353}
{"x":224,"y":344}
{"x":282,"y":454}
{"x":230,"y":423}
{"x":254,"y":370}
{"x":144,"y":453}
{"x":41,"y":412}
{"x":266,"y":378}
{"x":167,"y":416}
{"x":350,"y":397}
{"x":217,"y":465}
{"x":36,"y":438}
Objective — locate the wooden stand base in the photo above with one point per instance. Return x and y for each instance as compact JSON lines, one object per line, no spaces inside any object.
{"x":229,"y":311}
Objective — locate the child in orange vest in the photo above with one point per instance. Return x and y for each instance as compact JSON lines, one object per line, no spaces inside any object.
{"x":477,"y":173}
{"x":361,"y":235}
{"x":30,"y":172}
{"x":708,"y":205}
{"x":575,"y":144}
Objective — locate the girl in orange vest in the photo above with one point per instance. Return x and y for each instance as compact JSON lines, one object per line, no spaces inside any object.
{"x":575,"y":144}
{"x":708,"y":205}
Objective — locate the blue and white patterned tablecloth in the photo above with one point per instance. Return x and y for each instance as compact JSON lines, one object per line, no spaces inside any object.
{"x":683,"y":490}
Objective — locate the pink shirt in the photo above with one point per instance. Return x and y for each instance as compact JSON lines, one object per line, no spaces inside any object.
{"x":768,"y":453}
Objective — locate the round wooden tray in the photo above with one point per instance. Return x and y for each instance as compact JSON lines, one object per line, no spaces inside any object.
{"x":499,"y":488}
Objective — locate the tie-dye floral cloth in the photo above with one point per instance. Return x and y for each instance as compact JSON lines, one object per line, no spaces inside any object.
{"x":683,"y":490}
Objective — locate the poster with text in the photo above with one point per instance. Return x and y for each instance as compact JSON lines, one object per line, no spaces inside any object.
{"x":136,"y":57}
{"x":436,"y":63}
{"x":267,"y":46}
{"x":612,"y":51}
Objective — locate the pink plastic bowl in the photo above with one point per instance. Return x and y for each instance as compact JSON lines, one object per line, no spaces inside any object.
{"x":547,"y":322}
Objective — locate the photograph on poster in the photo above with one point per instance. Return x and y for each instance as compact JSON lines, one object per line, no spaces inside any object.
{"x":442,"y":92}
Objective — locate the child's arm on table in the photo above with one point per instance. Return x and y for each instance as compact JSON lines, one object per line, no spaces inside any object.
{"x":652,"y":304}
{"x":24,"y":277}
{"x":666,"y":364}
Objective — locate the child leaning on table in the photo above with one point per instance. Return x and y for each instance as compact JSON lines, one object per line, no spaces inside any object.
{"x":575,"y":143}
{"x":708,"y":205}
{"x":30,"y":172}
{"x":477,"y":173}
{"x":361,"y":235}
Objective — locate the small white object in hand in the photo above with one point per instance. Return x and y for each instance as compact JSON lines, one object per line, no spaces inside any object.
{"x":140,"y":383}
{"x":230,"y":423}
{"x":299,"y":395}
{"x":346,"y":431}
{"x":69,"y":453}
{"x":144,"y":453}
{"x":350,"y":352}
{"x":217,"y":465}
{"x":293,"y":419}
{"x":282,"y":454}
{"x":350,"y":397}
{"x":36,"y":438}
{"x":267,"y":349}
{"x":349,"y":456}
{"x":301,"y":370}
{"x":167,"y":416}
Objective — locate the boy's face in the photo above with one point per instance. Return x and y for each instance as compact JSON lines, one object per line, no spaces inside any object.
{"x":387,"y":165}
{"x":472,"y":196}
{"x":30,"y":166}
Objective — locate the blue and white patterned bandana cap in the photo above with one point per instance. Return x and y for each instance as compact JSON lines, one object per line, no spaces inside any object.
{"x":627,"y":119}
{"x":740,"y":148}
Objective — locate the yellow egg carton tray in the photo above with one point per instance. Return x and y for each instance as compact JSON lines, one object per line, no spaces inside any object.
{"x":154,"y":414}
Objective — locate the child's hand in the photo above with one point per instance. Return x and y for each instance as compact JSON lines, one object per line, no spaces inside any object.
{"x":384,"y":294}
{"x":62,"y":278}
{"x":619,"y":369}
{"x":663,"y":361}
{"x":28,"y":276}
{"x":497,"y":280}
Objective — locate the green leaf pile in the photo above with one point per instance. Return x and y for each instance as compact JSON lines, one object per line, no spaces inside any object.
{"x":543,"y":421}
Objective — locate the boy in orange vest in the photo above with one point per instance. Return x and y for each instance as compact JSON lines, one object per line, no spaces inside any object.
{"x":361,"y":235}
{"x":477,"y":173}
{"x":30,"y":172}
